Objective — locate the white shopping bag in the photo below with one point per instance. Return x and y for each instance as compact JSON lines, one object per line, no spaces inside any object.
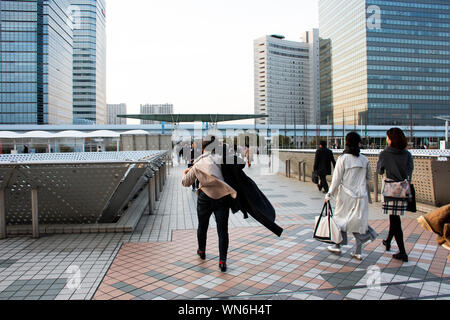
{"x":325,"y":229}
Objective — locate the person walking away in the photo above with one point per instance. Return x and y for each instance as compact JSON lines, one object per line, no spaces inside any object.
{"x":213,"y":197}
{"x":350,"y":185}
{"x":248,"y":155}
{"x":398,"y":165}
{"x":180,"y":154}
{"x":322,"y":165}
{"x":191,"y":163}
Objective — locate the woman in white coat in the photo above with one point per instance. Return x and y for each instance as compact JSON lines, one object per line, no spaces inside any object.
{"x":350,"y":187}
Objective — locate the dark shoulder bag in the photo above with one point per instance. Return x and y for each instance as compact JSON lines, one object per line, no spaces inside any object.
{"x":412,"y":205}
{"x":315,"y":177}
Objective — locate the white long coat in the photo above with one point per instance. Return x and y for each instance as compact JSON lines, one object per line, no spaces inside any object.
{"x":349,"y":187}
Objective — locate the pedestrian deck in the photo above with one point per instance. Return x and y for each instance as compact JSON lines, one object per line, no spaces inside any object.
{"x":158,"y":260}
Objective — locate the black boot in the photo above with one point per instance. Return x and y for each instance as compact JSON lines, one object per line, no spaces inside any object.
{"x":201,"y":254}
{"x":401,"y":256}
{"x":387,"y":245}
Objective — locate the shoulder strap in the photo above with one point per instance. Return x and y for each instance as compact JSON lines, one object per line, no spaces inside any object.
{"x":324,"y":210}
{"x":329,"y":208}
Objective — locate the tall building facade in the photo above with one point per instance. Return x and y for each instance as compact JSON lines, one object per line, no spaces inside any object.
{"x":390,"y":61}
{"x":89,"y":61}
{"x":113,"y":110}
{"x":326,"y":94}
{"x":155,"y":109}
{"x":287,"y":75}
{"x":35,"y":62}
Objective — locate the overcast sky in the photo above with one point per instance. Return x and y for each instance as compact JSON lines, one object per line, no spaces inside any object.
{"x":196,"y":54}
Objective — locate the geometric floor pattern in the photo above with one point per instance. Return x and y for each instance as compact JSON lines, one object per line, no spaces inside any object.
{"x":158,"y":260}
{"x":262,"y":266}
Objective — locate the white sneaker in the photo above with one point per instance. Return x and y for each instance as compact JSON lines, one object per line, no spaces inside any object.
{"x":356,"y":256}
{"x":333,"y":249}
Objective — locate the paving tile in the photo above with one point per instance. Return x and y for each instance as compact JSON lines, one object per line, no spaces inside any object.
{"x":160,"y":255}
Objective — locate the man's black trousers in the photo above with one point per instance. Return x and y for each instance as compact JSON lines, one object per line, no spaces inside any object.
{"x":323,"y":183}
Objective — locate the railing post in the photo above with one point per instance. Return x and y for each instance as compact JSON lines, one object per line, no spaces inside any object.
{"x":161,"y":177}
{"x":35,"y":213}
{"x":3,"y":230}
{"x":165,"y":172}
{"x":157,"y":186}
{"x":300,"y":170}
{"x":151,"y":195}
{"x":288,"y":168}
{"x":376,"y":186}
{"x":290,"y":162}
{"x":304,"y":171}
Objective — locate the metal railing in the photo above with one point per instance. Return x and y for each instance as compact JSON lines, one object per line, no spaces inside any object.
{"x":79,"y":188}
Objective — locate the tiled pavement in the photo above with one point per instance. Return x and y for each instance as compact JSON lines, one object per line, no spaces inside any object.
{"x":262,"y":266}
{"x":158,"y":260}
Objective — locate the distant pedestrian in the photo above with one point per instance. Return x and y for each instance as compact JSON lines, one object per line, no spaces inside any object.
{"x":350,"y":186}
{"x":180,"y":153}
{"x":191,"y":163}
{"x":322,"y":165}
{"x":398,"y":165}
{"x":25,"y":149}
{"x":213,"y":197}
{"x":248,"y":155}
{"x":176,"y":150}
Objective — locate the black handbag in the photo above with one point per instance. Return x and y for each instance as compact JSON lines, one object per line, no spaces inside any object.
{"x":315,"y":177}
{"x":412,"y":205}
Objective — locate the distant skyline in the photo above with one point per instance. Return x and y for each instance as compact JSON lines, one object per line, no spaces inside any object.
{"x":196,"y":55}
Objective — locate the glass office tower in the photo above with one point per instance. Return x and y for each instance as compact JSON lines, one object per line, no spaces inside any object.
{"x":35,"y":62}
{"x":390,"y":60}
{"x":89,"y":62}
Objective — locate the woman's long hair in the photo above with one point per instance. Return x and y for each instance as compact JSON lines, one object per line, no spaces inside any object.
{"x":352,"y":144}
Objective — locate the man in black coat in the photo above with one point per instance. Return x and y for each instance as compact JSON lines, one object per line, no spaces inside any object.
{"x":195,"y":153}
{"x":322,"y":165}
{"x":250,"y":200}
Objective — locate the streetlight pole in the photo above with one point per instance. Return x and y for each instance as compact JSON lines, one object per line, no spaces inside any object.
{"x":446,"y":134}
{"x":446,"y":130}
{"x":295,"y":130}
{"x":446,"y":119}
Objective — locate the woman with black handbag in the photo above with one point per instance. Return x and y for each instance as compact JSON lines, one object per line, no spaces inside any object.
{"x":398,"y":165}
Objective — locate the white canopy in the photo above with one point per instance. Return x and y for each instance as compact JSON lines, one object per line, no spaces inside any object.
{"x":62,"y":134}
{"x":135,"y":132}
{"x":103,"y":134}
{"x":9,"y":135}
{"x":69,"y":134}
{"x":36,"y":135}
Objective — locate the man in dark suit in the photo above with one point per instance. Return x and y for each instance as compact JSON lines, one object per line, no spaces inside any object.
{"x":322,"y":164}
{"x":194,"y":155}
